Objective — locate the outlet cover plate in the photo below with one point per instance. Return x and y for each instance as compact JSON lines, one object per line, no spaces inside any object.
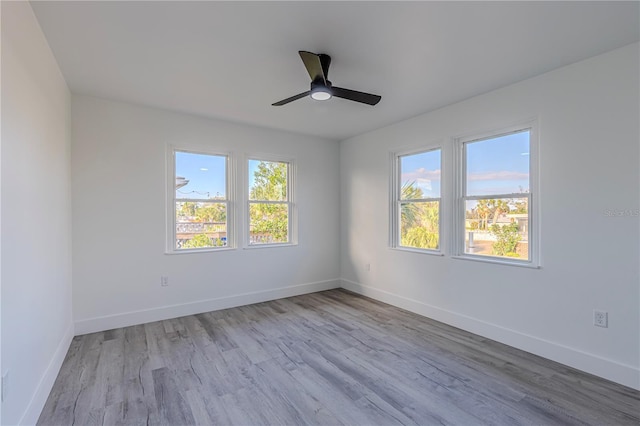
{"x":600,"y":318}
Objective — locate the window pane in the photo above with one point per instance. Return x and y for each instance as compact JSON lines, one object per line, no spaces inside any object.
{"x":497,"y":227}
{"x":200,"y":224}
{"x":420,"y":175}
{"x":498,"y":165}
{"x":267,"y":180}
{"x":419,"y":224}
{"x":200,"y":176}
{"x":268,"y":223}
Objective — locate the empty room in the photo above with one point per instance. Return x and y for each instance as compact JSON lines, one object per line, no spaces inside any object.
{"x":322,"y":213}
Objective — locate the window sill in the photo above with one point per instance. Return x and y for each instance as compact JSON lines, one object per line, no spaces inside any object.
{"x":264,"y":246}
{"x":419,"y":251}
{"x":497,"y":261}
{"x":202,"y":250}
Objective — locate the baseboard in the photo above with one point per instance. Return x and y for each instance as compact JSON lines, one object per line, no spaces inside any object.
{"x":126,"y":319}
{"x":32,"y":413}
{"x":611,"y":370}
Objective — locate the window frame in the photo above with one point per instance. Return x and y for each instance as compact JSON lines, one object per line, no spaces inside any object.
{"x":171,"y":200}
{"x":292,"y":226}
{"x":460,"y":197}
{"x":395,"y":232}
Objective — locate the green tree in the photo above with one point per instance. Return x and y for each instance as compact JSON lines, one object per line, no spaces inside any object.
{"x":497,"y":207}
{"x":187,"y":208}
{"x":484,"y":211}
{"x":520,"y":206}
{"x":409,"y":211}
{"x":215,"y":212}
{"x":419,"y":221}
{"x":507,"y":238}
{"x":203,"y":212}
{"x":270,"y":181}
{"x":424,"y":232}
{"x":201,"y":240}
{"x":270,"y":184}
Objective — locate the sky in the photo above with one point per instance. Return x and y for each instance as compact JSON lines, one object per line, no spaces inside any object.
{"x":205,"y":173}
{"x":423,"y":169}
{"x":253,"y":165}
{"x":498,"y":165}
{"x":494,"y":166}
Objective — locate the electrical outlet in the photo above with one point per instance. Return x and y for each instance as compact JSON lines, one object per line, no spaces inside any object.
{"x":5,"y":386}
{"x":600,"y":318}
{"x":164,"y":281}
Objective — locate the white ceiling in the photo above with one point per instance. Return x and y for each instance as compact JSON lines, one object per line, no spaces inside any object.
{"x":232,"y":60}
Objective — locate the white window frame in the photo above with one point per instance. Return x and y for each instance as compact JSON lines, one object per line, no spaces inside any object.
{"x":396,"y":201}
{"x":171,"y":200}
{"x":460,"y":196}
{"x":292,"y":228}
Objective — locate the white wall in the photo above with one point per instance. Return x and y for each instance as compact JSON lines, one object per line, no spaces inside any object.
{"x":588,"y":121}
{"x":36,"y":215}
{"x":119,"y":191}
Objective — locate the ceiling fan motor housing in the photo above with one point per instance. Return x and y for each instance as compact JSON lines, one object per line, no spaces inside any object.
{"x":321,"y":90}
{"x":319,"y":85}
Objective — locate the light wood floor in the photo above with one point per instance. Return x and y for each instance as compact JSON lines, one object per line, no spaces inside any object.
{"x":327,"y":358}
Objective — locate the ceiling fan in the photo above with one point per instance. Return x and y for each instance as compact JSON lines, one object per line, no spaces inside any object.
{"x":321,"y":88}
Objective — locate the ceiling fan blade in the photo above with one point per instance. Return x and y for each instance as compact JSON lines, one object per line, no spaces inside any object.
{"x":291,"y":99}
{"x":317,"y":65}
{"x":352,"y":95}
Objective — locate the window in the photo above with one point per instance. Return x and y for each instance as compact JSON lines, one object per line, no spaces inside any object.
{"x":416,"y":194}
{"x":495,"y":204}
{"x":200,"y":207}
{"x":269,"y":202}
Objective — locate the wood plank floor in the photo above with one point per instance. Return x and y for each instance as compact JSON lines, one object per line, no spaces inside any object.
{"x":329,"y":358}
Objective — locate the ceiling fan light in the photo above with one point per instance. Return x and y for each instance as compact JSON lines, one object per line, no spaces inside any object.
{"x":321,"y":95}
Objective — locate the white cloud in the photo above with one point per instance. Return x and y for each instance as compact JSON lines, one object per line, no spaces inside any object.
{"x":424,"y":184}
{"x":421,"y":173}
{"x":501,"y":175}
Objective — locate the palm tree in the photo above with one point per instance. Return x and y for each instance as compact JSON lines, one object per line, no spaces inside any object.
{"x":419,"y":219}
{"x":425,"y":232}
{"x":498,"y":206}
{"x":484,"y":210}
{"x":409,"y":211}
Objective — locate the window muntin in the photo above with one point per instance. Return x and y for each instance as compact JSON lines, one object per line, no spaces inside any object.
{"x":200,"y":201}
{"x":269,"y":202}
{"x":417,"y":198}
{"x":496,"y":196}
